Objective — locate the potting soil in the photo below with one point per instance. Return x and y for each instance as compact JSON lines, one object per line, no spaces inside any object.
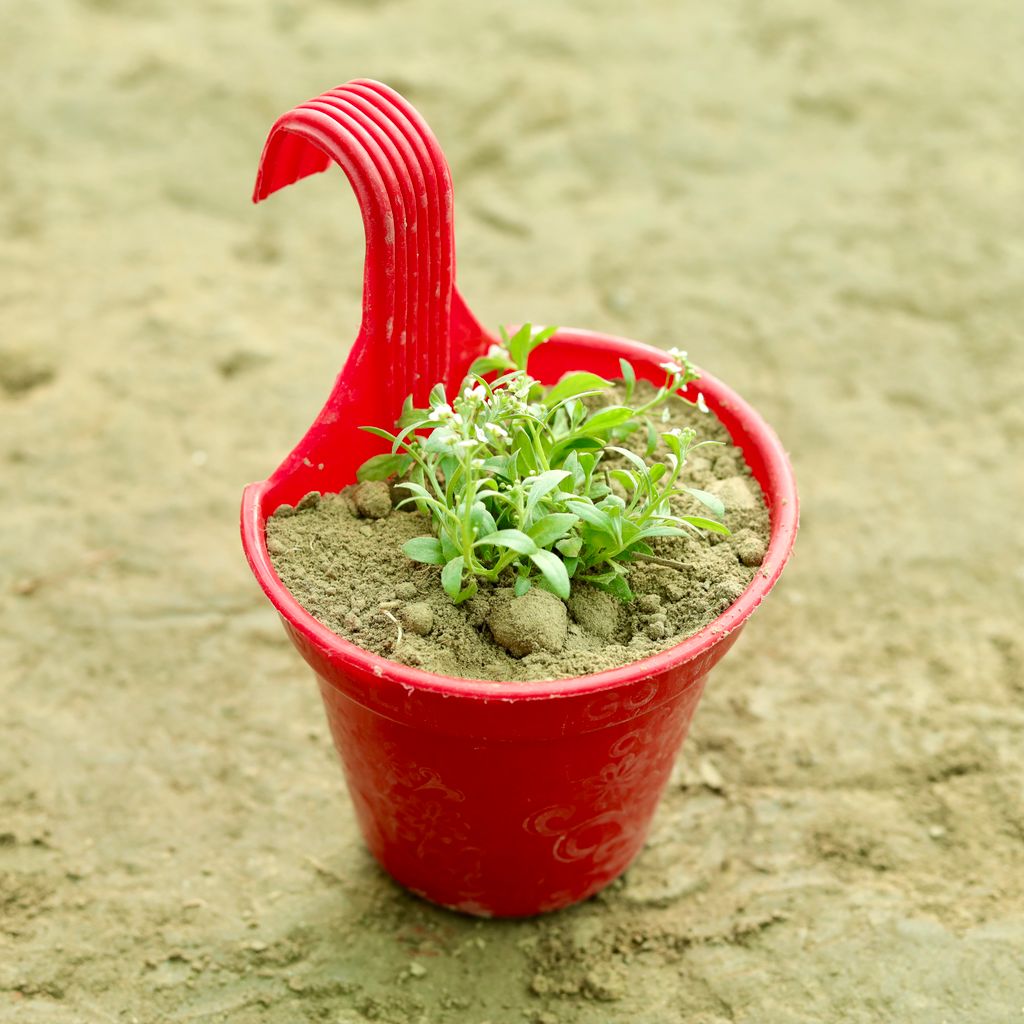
{"x":343,"y":562}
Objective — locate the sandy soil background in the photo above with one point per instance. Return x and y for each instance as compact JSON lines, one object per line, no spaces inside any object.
{"x":822,"y":201}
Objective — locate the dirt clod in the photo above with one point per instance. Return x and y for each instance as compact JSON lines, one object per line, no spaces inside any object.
{"x":372,"y":499}
{"x":751,"y":550}
{"x":417,"y":617}
{"x":596,"y":611}
{"x":537,"y":621}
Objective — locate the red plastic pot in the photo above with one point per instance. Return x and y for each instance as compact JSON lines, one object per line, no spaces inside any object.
{"x":497,"y":799}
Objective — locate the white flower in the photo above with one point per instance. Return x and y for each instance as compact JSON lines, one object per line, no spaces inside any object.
{"x":466,"y":442}
{"x":676,"y":364}
{"x":497,"y":430}
{"x":441,"y":413}
{"x":701,"y":404}
{"x":478,"y":393}
{"x":496,"y":352}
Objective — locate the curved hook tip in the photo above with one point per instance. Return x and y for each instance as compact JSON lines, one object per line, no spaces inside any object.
{"x":286,"y":158}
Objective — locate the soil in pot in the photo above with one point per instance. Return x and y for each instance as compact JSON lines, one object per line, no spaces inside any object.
{"x":340,"y":556}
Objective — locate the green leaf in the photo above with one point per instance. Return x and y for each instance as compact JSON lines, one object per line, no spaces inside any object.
{"x":418,"y":490}
{"x":515,"y":540}
{"x":707,"y":524}
{"x":549,"y":528}
{"x":522,"y":585}
{"x":488,"y":364}
{"x":673,"y":444}
{"x":439,"y":441}
{"x":526,"y":459}
{"x":569,"y":548}
{"x":626,"y":480}
{"x":652,"y":438}
{"x":636,"y":547}
{"x":628,"y":377}
{"x":498,"y":464}
{"x":570,"y":444}
{"x":552,"y":568}
{"x":380,"y":467}
{"x":711,"y":501}
{"x":590,"y":513}
{"x":573,"y":466}
{"x":574,"y":384}
{"x":607,"y":419}
{"x":378,"y":432}
{"x":614,"y":583}
{"x":451,"y":577}
{"x":449,"y":549}
{"x":629,"y":456}
{"x":482,"y":520}
{"x":544,"y":484}
{"x":424,"y":549}
{"x":524,"y":341}
{"x":662,"y":531}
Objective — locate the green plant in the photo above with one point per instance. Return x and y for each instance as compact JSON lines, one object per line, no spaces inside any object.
{"x":516,"y":480}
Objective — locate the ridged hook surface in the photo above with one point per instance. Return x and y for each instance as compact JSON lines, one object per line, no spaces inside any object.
{"x":408,"y":340}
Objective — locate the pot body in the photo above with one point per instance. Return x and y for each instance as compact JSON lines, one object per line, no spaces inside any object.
{"x":510,"y":821}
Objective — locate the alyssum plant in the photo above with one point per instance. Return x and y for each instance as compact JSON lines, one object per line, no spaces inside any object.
{"x":515,"y":476}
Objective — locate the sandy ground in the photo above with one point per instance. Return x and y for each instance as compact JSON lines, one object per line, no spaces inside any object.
{"x":822,"y":201}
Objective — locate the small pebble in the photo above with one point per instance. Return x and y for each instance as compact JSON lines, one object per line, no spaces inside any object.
{"x":276,"y":546}
{"x":656,"y":629}
{"x":751,"y":550}
{"x":602,"y":984}
{"x":310,"y":500}
{"x":648,"y":603}
{"x":710,"y":775}
{"x":284,"y":510}
{"x":406,"y":591}
{"x":372,"y":499}
{"x":417,"y":617}
{"x":417,"y":970}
